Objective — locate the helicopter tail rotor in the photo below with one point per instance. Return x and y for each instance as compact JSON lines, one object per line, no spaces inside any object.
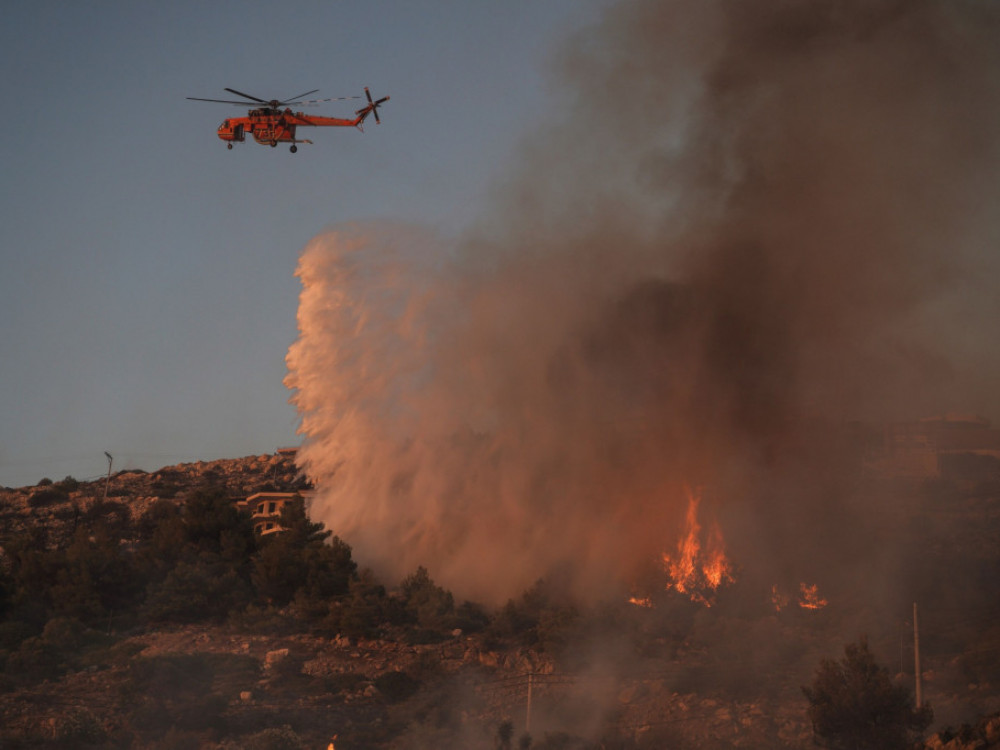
{"x":371,"y":108}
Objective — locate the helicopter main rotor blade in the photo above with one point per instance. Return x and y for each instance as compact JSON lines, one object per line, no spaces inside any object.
{"x":220,"y":101}
{"x":320,"y":101}
{"x":291,"y":99}
{"x":252,"y":98}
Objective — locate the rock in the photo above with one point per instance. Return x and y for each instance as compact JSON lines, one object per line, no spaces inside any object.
{"x":632,"y":693}
{"x":271,"y":658}
{"x":489,"y":658}
{"x":627,"y":695}
{"x":992,"y":730}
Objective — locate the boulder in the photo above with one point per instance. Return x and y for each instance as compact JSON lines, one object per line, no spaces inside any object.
{"x":272,"y":658}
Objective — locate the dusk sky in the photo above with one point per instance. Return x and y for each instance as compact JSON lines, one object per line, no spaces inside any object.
{"x":147,"y":294}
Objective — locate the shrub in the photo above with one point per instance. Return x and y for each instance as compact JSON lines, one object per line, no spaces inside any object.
{"x":78,"y":728}
{"x":178,"y":739}
{"x":174,"y":691}
{"x":48,"y":496}
{"x":854,"y":705}
{"x":110,"y":514}
{"x":540,"y":619}
{"x":95,"y":577}
{"x":342,"y":682}
{"x":283,"y":738}
{"x":364,"y":611}
{"x":204,"y":589}
{"x":264,"y":621}
{"x":63,"y":645}
{"x":396,"y":686}
{"x":13,"y":633}
{"x":69,"y":484}
{"x":429,"y":605}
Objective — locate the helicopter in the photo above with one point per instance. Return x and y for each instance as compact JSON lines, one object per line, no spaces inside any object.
{"x":274,"y":122}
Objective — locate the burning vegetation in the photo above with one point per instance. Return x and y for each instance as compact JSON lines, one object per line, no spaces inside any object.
{"x":776,"y":237}
{"x":709,"y":283}
{"x":808,"y":597}
{"x":700,"y":566}
{"x":779,"y":233}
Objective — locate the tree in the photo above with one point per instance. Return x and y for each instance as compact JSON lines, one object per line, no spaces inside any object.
{"x":431,"y":606}
{"x":505,"y":734}
{"x":544,"y":618}
{"x":364,"y":610}
{"x":854,"y":705}
{"x":298,"y":559}
{"x":203,"y":588}
{"x":95,"y":577}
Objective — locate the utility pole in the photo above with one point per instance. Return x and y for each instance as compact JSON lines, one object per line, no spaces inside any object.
{"x":916,"y":655}
{"x":527,"y":718}
{"x":108,"y":482}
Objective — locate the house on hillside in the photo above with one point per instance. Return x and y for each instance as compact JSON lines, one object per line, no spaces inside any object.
{"x":265,"y":508}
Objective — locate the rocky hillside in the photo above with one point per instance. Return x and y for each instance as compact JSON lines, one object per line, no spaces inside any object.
{"x":55,"y":505}
{"x":225,"y":641}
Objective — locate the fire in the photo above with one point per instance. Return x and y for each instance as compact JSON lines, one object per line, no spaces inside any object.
{"x":809,"y":597}
{"x":694,"y":571}
{"x":778,"y":598}
{"x":641,"y":601}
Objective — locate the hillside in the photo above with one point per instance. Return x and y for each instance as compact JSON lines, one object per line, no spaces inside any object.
{"x":153,"y":617}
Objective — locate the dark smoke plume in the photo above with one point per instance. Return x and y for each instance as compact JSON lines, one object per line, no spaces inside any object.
{"x":753,"y":217}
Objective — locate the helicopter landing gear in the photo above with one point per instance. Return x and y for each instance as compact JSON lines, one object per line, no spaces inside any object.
{"x":294,"y":148}
{"x":273,"y":144}
{"x":229,"y":146}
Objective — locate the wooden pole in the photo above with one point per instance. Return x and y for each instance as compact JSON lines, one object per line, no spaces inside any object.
{"x":108,"y":482}
{"x":916,"y":656}
{"x":527,"y":718}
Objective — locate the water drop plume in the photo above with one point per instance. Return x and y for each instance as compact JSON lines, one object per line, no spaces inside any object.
{"x":748,"y":218}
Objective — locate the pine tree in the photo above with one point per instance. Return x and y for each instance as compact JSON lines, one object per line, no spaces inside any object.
{"x":854,"y":705}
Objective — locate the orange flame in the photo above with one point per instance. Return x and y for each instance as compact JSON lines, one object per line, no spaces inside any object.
{"x":810,"y":598}
{"x":693,"y":572}
{"x":778,"y":598}
{"x":641,"y":601}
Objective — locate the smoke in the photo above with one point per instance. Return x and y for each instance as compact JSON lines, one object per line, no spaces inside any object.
{"x":753,"y":218}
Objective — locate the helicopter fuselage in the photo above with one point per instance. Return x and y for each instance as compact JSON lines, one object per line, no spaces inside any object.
{"x":269,"y":127}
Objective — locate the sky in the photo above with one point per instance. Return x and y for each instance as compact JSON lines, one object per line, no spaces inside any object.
{"x":148,"y":294}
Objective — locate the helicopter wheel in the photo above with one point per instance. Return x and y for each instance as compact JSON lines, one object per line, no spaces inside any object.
{"x":273,"y":144}
{"x":229,"y":146}
{"x":293,"y":149}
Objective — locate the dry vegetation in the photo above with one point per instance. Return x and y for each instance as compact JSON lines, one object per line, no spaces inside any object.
{"x":155,"y":618}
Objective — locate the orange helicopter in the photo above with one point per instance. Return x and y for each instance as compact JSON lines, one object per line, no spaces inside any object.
{"x":270,"y":124}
